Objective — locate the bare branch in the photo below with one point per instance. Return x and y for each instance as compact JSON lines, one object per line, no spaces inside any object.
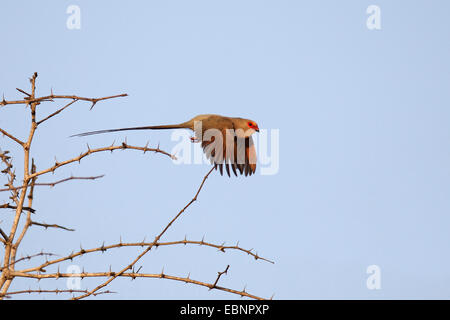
{"x":56,"y":112}
{"x":54,"y":96}
{"x":9,"y":171}
{"x":4,"y":235}
{"x":219,"y":274}
{"x":29,"y":257}
{"x":8,"y":206}
{"x":55,"y":291}
{"x":121,"y":244}
{"x":221,"y":247}
{"x":22,"y":91}
{"x":45,"y":225}
{"x":10,"y":248}
{"x":12,"y":137}
{"x":91,"y":151}
{"x":52,"y":184}
{"x":161,"y":275}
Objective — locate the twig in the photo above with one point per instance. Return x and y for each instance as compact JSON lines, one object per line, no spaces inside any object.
{"x":91,"y":151}
{"x":29,"y":257}
{"x":22,"y":91}
{"x":8,"y":206}
{"x":52,"y":184}
{"x":54,"y":96}
{"x":219,"y":274}
{"x":55,"y":291}
{"x":161,"y":275}
{"x":56,"y":112}
{"x":4,"y":235}
{"x":12,"y":176}
{"x":12,"y":137}
{"x":45,"y":225}
{"x":121,"y":244}
{"x":220,"y":247}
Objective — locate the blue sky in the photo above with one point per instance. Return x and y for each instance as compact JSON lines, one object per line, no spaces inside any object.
{"x":363,"y":137}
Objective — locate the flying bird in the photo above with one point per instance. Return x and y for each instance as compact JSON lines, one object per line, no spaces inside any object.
{"x":226,"y":141}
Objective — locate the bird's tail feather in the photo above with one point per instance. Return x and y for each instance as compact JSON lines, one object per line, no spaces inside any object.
{"x":170,"y":126}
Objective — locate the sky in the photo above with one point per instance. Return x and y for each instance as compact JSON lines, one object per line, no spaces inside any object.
{"x":359,"y":121}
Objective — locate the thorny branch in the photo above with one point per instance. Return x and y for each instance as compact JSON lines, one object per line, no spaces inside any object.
{"x":52,"y":184}
{"x":25,"y":191}
{"x":11,"y":178}
{"x":46,"y":225}
{"x":104,"y":248}
{"x":90,"y":151}
{"x":8,"y":206}
{"x":55,"y":291}
{"x":29,"y":257}
{"x":133,"y":275}
{"x":52,"y":97}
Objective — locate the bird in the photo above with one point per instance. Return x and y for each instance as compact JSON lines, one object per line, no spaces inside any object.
{"x":226,"y":141}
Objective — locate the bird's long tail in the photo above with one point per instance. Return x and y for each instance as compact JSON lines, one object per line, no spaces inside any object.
{"x":170,"y":126}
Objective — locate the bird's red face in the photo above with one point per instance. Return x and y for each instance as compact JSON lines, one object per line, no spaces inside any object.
{"x":253,"y":125}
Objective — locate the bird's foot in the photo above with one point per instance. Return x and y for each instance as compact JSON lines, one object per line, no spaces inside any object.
{"x":195,"y":140}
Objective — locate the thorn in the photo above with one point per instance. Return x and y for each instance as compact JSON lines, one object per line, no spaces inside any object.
{"x":22,"y":91}
{"x":93,"y":104}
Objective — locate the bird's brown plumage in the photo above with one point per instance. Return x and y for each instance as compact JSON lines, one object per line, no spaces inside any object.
{"x":226,"y":141}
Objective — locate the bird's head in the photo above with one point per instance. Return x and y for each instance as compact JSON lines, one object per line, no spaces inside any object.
{"x":253,"y":125}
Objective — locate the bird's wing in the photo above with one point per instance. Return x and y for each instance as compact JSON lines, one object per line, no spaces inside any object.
{"x":250,"y":156}
{"x":224,"y":148}
{"x":245,"y":155}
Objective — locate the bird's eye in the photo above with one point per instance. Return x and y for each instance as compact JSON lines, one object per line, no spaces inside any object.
{"x":250,"y":124}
